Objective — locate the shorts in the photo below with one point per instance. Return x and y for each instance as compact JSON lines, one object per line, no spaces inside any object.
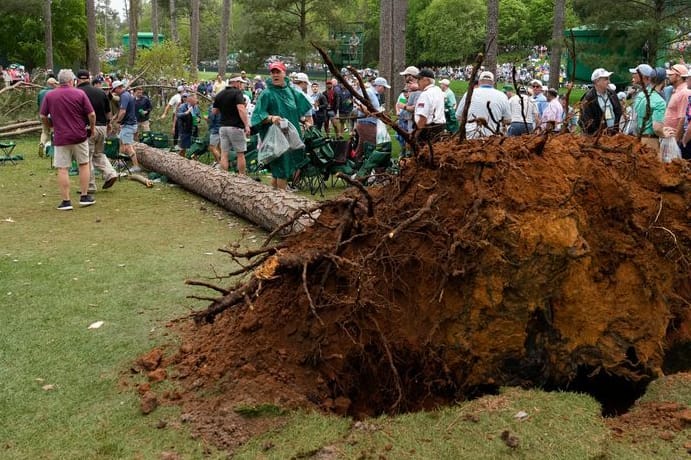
{"x":214,"y":140}
{"x":64,"y":154}
{"x":143,"y":126}
{"x":233,"y":138}
{"x":127,"y":134}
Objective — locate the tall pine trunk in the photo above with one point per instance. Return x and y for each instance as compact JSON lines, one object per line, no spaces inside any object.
{"x":48,"y":20}
{"x":557,"y":43}
{"x":154,"y":20}
{"x":386,"y":26}
{"x":194,"y":39}
{"x":491,"y":45}
{"x":134,"y":30}
{"x":173,"y":22}
{"x":91,"y":43}
{"x":392,"y":26}
{"x":223,"y":39}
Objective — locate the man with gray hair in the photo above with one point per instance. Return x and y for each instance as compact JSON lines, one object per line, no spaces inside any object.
{"x":67,"y":109}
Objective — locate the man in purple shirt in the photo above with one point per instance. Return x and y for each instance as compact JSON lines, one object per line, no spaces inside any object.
{"x":67,"y":110}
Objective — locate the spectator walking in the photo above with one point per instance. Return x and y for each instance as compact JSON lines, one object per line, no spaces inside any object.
{"x":489,"y":109}
{"x":523,"y":113}
{"x":143,"y":108}
{"x":67,"y":110}
{"x":553,"y":116}
{"x":600,"y":106}
{"x":235,"y":125}
{"x":366,"y":126}
{"x":126,"y":123}
{"x":51,"y":84}
{"x":333,"y":102}
{"x":97,"y":157}
{"x":213,"y":121}
{"x":430,"y":121}
{"x":187,"y":117}
{"x":319,"y":105}
{"x":649,"y":108}
{"x":675,"y":113}
{"x":538,"y":96}
{"x":278,"y":102}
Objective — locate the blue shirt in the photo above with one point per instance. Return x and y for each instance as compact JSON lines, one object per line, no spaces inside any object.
{"x":127,"y":103}
{"x":374,"y":100}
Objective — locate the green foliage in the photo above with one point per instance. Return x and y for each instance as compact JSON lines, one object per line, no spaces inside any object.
{"x":163,"y":61}
{"x":643,"y":29}
{"x":23,"y":37}
{"x":439,"y":25}
{"x":286,"y":26}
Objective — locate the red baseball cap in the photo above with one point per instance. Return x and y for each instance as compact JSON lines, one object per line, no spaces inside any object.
{"x":277,"y":65}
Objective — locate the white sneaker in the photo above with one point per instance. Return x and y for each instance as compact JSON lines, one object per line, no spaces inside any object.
{"x":135,"y":169}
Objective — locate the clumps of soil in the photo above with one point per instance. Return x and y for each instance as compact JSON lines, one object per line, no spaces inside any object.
{"x":510,"y":261}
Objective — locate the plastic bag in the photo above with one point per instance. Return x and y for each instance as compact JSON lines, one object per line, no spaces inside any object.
{"x":383,"y":135}
{"x":272,"y":146}
{"x":669,"y":149}
{"x":291,"y":133}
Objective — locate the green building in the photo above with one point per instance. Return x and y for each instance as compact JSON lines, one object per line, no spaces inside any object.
{"x":144,"y":40}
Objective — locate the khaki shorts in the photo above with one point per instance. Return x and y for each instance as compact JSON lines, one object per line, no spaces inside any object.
{"x":233,"y":138}
{"x":143,"y":126}
{"x":64,"y":154}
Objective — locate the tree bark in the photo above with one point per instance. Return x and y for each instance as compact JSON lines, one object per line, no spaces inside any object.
{"x":386,"y":26}
{"x":223,"y":38}
{"x":194,"y":39}
{"x":491,"y":45}
{"x":154,"y":20}
{"x":398,"y":62}
{"x":134,"y":31}
{"x":48,"y":21}
{"x":91,"y":43}
{"x":173,"y":22}
{"x":259,"y":203}
{"x":557,"y":43}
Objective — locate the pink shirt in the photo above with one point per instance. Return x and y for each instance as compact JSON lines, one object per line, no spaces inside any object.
{"x":69,"y":110}
{"x":676,"y":107}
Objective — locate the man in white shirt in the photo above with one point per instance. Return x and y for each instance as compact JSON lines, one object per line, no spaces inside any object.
{"x":429,"y":109}
{"x":489,"y":109}
{"x":523,"y":113}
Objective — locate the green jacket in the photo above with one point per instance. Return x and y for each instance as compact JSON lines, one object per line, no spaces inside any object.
{"x":283,"y":101}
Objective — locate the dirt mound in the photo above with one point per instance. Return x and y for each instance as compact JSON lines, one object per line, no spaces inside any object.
{"x":554,"y":262}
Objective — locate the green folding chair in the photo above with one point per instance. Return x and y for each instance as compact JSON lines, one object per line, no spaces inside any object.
{"x":7,"y":153}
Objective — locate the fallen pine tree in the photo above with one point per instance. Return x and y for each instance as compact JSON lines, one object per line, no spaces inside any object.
{"x":262,"y":205}
{"x":556,"y":262}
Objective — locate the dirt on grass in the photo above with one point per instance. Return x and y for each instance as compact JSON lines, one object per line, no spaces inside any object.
{"x":558,"y":262}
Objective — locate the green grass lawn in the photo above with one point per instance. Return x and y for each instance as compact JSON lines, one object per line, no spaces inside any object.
{"x":66,"y":391}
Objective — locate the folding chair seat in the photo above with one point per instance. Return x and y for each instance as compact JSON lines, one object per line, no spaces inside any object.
{"x":7,"y":153}
{"x":119,"y":160}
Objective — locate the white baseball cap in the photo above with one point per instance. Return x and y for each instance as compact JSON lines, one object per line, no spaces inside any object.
{"x":411,"y":70}
{"x":380,"y":81}
{"x":300,"y":77}
{"x":600,"y":73}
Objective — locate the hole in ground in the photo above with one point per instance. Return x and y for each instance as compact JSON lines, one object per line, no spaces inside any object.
{"x":615,"y":394}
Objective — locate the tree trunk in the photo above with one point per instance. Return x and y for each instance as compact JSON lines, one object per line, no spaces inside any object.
{"x":398,"y":63}
{"x":48,"y":21}
{"x":386,"y":26}
{"x":91,"y":43}
{"x":134,"y":30}
{"x":260,"y":204}
{"x":194,"y":39}
{"x":173,"y":22}
{"x":223,"y":39}
{"x":154,"y":20}
{"x":491,"y":44}
{"x":557,"y":43}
